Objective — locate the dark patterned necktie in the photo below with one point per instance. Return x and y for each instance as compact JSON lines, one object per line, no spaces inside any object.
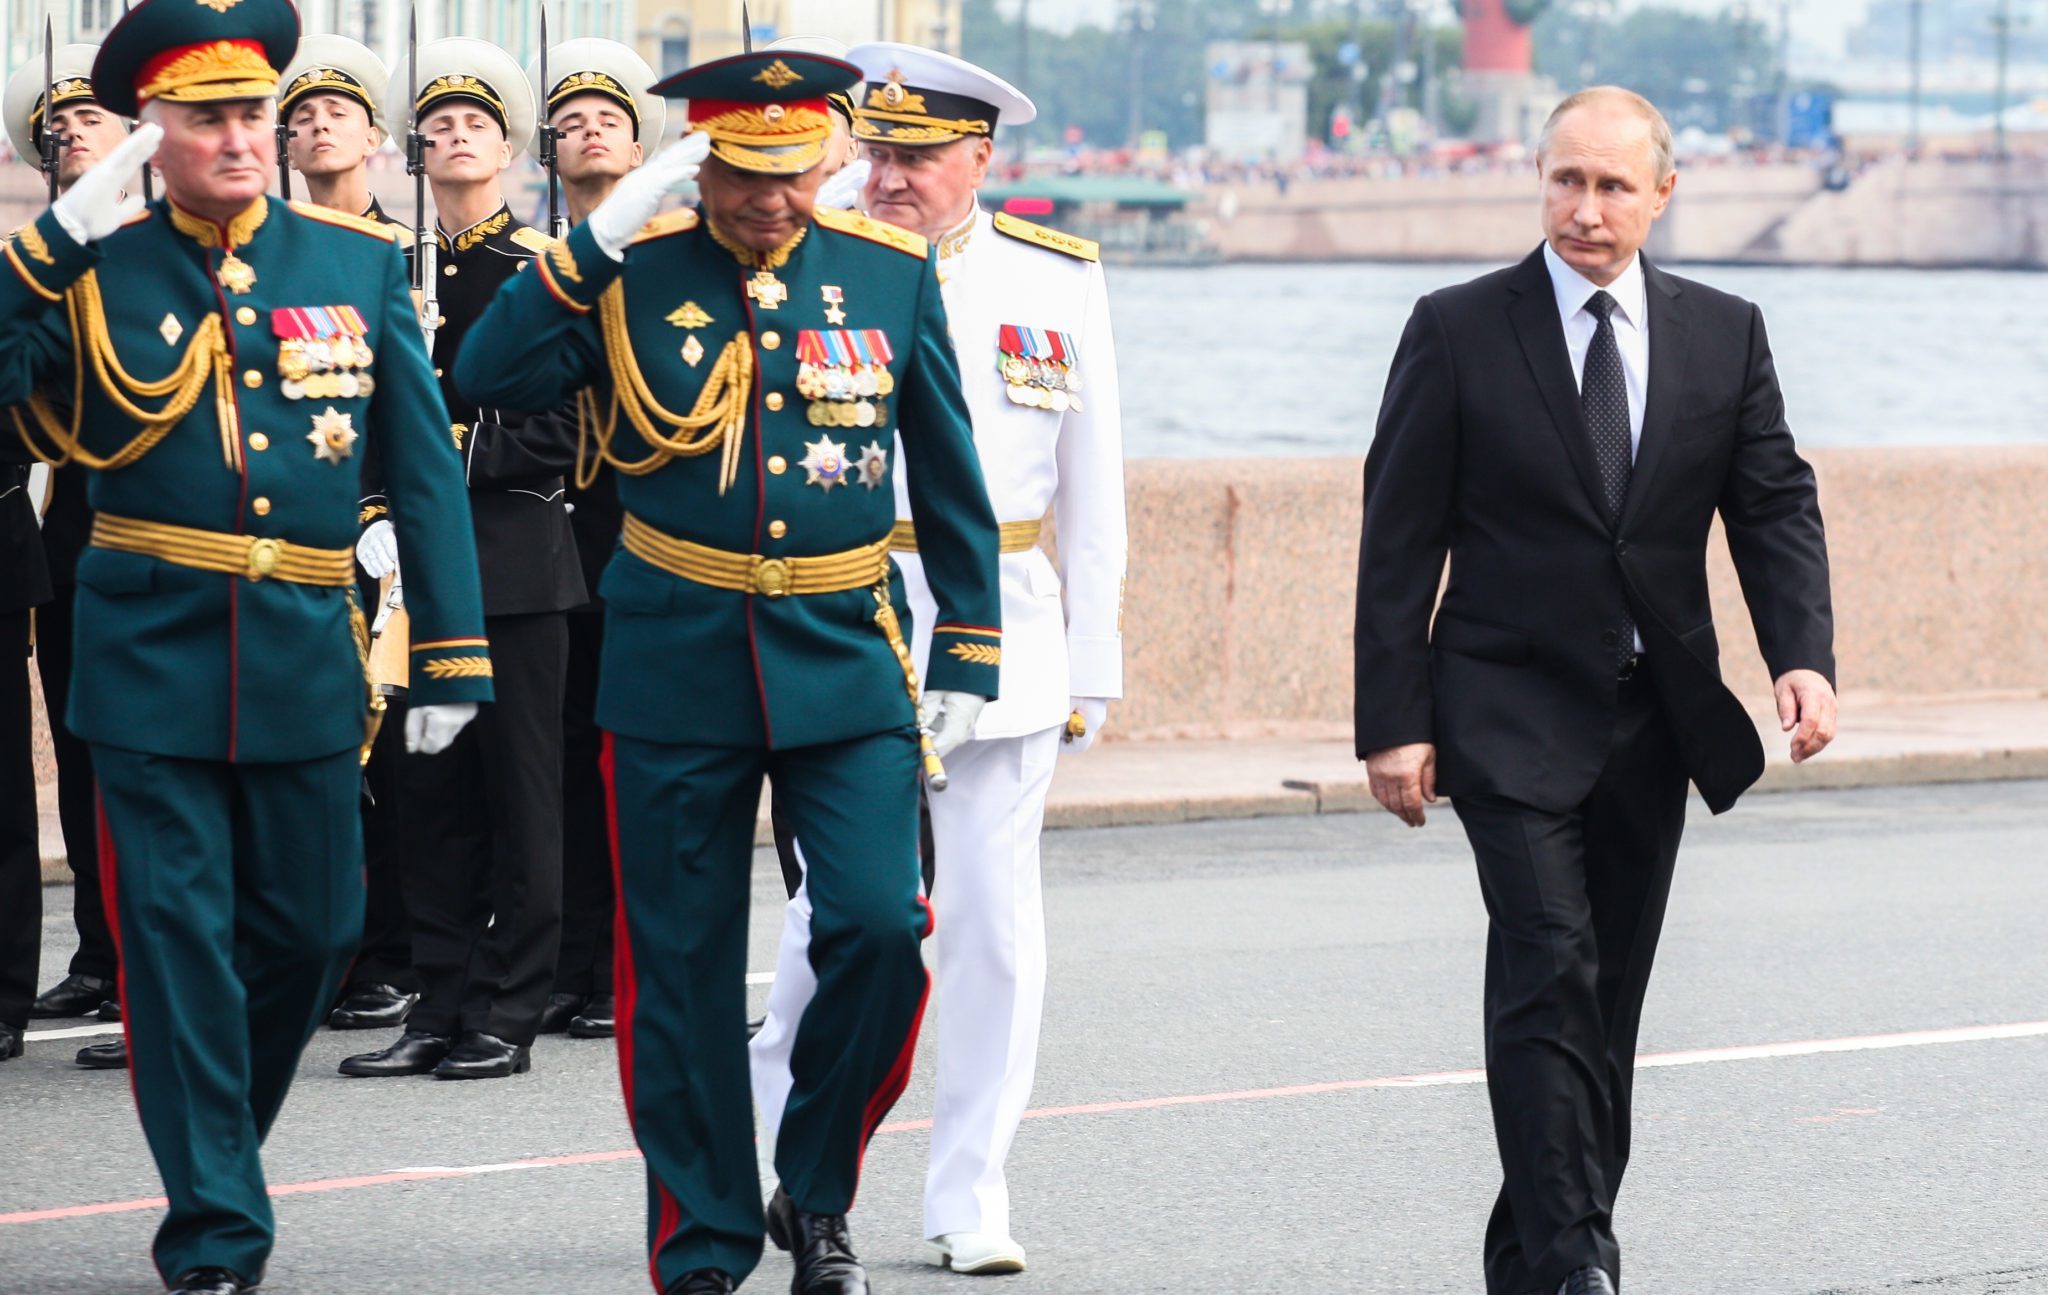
{"x":1603,"y":396}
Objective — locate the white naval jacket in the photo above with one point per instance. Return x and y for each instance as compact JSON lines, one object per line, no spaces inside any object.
{"x":1054,"y":649}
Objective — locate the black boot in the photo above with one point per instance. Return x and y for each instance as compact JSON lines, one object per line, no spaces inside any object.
{"x":212,"y":1281}
{"x":414,"y":1054}
{"x":372,"y":1007}
{"x":72,"y":996}
{"x":1587,"y":1281}
{"x":485,"y":1056}
{"x":702,"y":1281}
{"x":595,"y":1020}
{"x":821,"y":1246}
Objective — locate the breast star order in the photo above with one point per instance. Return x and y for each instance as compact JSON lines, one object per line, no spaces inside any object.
{"x":824,"y":463}
{"x":333,"y":436}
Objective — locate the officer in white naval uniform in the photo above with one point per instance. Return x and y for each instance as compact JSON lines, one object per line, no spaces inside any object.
{"x":1031,"y":327}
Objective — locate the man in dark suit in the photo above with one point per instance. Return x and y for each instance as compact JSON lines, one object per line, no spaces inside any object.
{"x":1564,"y":431}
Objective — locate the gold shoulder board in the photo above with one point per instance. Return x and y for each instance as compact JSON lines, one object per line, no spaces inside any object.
{"x":343,"y":220}
{"x":852,"y":222}
{"x":1080,"y":249}
{"x":532,"y":239}
{"x":669,"y":222}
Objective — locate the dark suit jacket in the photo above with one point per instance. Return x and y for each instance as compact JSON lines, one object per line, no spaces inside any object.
{"x":1482,"y":454}
{"x":24,"y":575}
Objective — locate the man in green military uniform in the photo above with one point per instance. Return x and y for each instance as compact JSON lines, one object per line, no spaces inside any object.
{"x":229,"y":353}
{"x":748,"y":365}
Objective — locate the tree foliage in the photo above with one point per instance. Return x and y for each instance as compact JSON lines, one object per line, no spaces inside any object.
{"x":1702,"y":70}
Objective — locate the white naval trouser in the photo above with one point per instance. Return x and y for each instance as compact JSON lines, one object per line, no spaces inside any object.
{"x":989,"y":939}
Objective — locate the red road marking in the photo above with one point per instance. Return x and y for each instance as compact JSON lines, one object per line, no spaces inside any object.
{"x":1433,"y":1079}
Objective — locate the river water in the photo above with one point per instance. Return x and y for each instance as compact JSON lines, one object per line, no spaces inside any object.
{"x":1291,"y":359}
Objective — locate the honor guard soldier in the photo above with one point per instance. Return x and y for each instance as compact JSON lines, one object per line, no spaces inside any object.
{"x":24,"y":586}
{"x":607,"y":124}
{"x":327,"y":104}
{"x":483,"y":829}
{"x":1030,"y":319}
{"x":233,"y":356}
{"x":88,"y":133}
{"x":748,"y":363}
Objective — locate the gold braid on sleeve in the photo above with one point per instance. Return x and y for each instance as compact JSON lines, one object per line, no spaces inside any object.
{"x":718,"y":418}
{"x":206,"y":359}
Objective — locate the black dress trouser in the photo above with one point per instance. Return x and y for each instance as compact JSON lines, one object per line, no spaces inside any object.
{"x":386,"y":954}
{"x":483,"y":845}
{"x":76,"y":810}
{"x":1576,"y":901}
{"x":585,"y":968}
{"x":21,"y":867}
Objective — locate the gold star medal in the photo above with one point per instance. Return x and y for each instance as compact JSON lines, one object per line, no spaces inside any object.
{"x":236,"y":275}
{"x":333,"y":436}
{"x":834,"y":299}
{"x":824,"y":463}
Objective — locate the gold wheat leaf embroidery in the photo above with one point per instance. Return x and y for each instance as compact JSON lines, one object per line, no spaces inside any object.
{"x":459,"y":667}
{"x":977,"y":653}
{"x":564,"y":262}
{"x":31,"y":240}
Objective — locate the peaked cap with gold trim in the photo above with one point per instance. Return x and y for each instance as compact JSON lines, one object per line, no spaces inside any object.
{"x":328,"y":64}
{"x":463,"y":67}
{"x":917,"y":96}
{"x":195,"y":51}
{"x":840,"y":102}
{"x":764,"y":111}
{"x":594,"y":65}
{"x":22,"y":104}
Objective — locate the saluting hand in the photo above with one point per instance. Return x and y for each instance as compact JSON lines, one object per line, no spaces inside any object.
{"x":93,"y":207}
{"x":638,"y":196}
{"x":843,"y":190}
{"x":1403,"y":780}
{"x":1807,"y":710}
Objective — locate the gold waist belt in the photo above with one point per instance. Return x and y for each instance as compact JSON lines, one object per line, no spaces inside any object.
{"x":1016,"y":537}
{"x":827,"y":573}
{"x":256,"y":557}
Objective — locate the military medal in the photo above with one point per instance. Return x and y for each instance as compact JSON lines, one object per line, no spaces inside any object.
{"x":824,"y":463}
{"x":874,"y":465}
{"x":333,"y":436}
{"x":693,"y":350}
{"x":767,"y":291}
{"x":236,"y":275}
{"x":834,"y":299}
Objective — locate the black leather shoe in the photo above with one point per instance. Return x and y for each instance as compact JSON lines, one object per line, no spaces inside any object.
{"x":1587,"y":1281}
{"x":702,"y":1281}
{"x":825,"y":1262}
{"x":110,"y":1010}
{"x":485,"y":1056}
{"x":560,"y":1011}
{"x":72,"y":996}
{"x":211,"y":1281}
{"x":414,"y":1054}
{"x":104,"y":1056}
{"x":755,"y":1024}
{"x":10,"y":1042}
{"x":595,"y":1020}
{"x":372,"y":1007}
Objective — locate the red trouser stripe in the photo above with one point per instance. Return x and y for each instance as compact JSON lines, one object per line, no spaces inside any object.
{"x":898,"y":1077}
{"x":626,"y":989}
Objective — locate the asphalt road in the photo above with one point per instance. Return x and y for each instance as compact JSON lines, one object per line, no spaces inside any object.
{"x":1274,"y":968}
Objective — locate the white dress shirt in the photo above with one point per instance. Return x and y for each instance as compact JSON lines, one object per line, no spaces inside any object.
{"x":1631,"y":328}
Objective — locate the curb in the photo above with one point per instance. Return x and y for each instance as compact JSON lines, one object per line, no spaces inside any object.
{"x":1354,"y":796}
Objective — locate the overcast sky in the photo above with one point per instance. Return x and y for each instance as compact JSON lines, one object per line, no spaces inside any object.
{"x":1818,"y":25}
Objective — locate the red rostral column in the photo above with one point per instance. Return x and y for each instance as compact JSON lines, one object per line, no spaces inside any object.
{"x":1494,"y":40}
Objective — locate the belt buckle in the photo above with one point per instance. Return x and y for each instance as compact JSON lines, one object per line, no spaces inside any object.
{"x":264,"y":555}
{"x":772,"y":577}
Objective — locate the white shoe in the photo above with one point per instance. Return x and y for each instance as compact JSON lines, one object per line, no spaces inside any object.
{"x":974,"y":1252}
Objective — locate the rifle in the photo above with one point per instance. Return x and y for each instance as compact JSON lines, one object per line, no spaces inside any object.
{"x":284,"y":160}
{"x":550,"y":155}
{"x":53,"y":144}
{"x":416,"y":146}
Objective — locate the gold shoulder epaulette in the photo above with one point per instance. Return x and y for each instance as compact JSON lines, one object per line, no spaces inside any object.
{"x":669,"y":222}
{"x":1080,"y":249}
{"x":360,"y":224}
{"x":852,"y":222}
{"x":532,"y":239}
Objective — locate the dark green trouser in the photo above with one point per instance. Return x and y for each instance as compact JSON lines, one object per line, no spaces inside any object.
{"x":684,"y":820}
{"x":237,"y":897}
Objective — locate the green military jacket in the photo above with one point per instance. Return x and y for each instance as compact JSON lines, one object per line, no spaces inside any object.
{"x":206,"y":363}
{"x":686,"y":323}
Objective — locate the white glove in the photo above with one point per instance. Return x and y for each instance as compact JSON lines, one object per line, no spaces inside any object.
{"x":1094,"y":713}
{"x":638,"y":196}
{"x":950,"y":716}
{"x":377,"y":550}
{"x":93,"y":207}
{"x":429,"y":729}
{"x":843,"y":190}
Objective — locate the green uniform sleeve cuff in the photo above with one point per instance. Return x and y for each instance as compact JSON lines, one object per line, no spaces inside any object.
{"x":965,"y":658}
{"x":450,"y":670}
{"x":46,"y":259}
{"x":576,"y":270}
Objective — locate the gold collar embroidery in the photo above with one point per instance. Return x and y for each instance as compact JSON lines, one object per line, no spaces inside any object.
{"x":955,"y":240}
{"x":753,"y":260}
{"x":206,"y":233}
{"x":478,"y":232}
